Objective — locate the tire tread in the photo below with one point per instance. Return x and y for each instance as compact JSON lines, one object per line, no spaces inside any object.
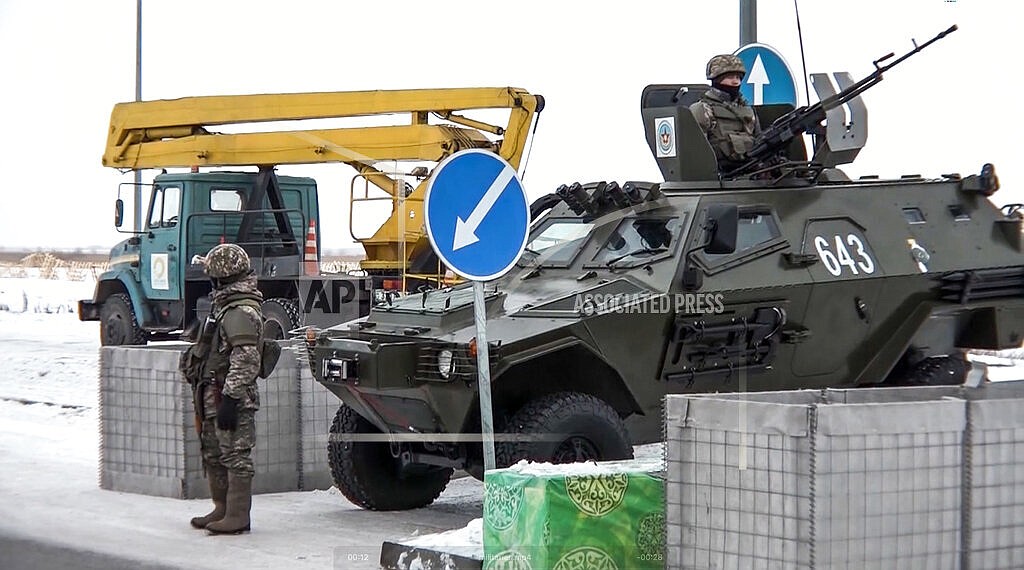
{"x":537,"y":416}
{"x":372,"y":494}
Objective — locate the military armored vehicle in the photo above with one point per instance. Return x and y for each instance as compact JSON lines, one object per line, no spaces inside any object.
{"x":782,"y":274}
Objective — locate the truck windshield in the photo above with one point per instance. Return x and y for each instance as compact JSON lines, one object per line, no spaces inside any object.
{"x":557,"y":244}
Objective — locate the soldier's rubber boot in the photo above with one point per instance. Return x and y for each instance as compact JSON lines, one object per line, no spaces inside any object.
{"x":218,"y":478}
{"x":239,"y":502}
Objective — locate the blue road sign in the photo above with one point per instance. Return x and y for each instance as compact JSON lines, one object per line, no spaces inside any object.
{"x":476,"y":214}
{"x":769,"y":79}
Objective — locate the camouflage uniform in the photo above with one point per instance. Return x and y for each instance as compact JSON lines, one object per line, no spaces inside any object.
{"x":228,"y":389}
{"x":728,"y":121}
{"x":233,"y":449}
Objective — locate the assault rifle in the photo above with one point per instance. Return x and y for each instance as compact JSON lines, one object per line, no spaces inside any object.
{"x":808,"y":119}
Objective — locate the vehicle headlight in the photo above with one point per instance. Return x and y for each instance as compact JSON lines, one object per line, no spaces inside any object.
{"x":445,"y":363}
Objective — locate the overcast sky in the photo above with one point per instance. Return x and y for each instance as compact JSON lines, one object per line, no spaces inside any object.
{"x":63,"y":65}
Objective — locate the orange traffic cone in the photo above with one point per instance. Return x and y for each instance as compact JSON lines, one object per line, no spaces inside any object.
{"x":312,"y":266}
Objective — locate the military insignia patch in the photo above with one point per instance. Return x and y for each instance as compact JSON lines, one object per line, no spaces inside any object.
{"x":665,"y":129}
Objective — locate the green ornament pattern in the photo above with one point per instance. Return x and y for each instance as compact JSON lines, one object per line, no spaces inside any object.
{"x":607,"y":519}
{"x":586,"y":558}
{"x":650,"y":535}
{"x":597,"y":495}
{"x":502,"y":504}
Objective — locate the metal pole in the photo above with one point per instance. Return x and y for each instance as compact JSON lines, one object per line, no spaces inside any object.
{"x":748,"y":22}
{"x":483,"y":365}
{"x":138,"y":97}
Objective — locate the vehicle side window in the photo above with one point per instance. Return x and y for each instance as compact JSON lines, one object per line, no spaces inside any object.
{"x":756,"y":229}
{"x":559,"y":241}
{"x":165,"y":207}
{"x":226,"y":200}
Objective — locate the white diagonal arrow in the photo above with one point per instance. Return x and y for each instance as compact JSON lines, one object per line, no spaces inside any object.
{"x":465,"y":230}
{"x":758,"y":78}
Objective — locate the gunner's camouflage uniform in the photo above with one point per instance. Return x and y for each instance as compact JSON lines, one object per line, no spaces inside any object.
{"x":729,"y":124}
{"x":728,"y":121}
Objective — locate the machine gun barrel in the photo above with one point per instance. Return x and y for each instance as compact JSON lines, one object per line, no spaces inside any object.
{"x":807,"y":118}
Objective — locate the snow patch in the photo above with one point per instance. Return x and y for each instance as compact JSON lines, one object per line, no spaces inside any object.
{"x":467,"y":542}
{"x":35,"y":295}
{"x":645,"y":465}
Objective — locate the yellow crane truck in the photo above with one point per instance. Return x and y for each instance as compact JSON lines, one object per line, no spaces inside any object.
{"x":152,"y":291}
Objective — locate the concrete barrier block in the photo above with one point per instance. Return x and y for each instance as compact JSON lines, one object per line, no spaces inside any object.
{"x":996,"y":476}
{"x":148,"y":442}
{"x":797,"y":480}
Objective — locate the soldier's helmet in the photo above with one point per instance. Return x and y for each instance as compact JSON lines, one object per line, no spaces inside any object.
{"x":226,"y":260}
{"x":725,"y":63}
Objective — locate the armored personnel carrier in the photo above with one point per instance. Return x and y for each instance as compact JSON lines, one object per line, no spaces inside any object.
{"x":781,"y":274}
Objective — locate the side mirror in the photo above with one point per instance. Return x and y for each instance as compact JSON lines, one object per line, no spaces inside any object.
{"x":723,"y":223}
{"x":118,"y":213}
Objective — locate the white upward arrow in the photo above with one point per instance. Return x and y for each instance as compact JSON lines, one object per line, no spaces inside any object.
{"x":465,"y":230}
{"x":758,"y":78}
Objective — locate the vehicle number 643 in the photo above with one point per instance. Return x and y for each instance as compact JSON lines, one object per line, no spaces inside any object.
{"x":841,"y":259}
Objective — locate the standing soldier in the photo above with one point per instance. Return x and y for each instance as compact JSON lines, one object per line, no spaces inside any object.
{"x":226,"y":362}
{"x":724,"y":115}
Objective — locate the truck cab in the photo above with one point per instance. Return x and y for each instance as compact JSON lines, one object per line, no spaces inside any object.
{"x":153,"y":291}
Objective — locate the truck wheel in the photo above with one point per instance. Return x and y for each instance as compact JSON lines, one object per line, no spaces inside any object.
{"x":369,"y":476}
{"x":938,"y":371}
{"x":118,"y":325}
{"x":589,"y":429}
{"x":280,"y":315}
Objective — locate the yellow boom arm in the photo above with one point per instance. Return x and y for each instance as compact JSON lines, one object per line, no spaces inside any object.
{"x":180,"y":133}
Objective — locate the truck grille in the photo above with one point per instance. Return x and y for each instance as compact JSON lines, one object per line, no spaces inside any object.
{"x":463,"y":365}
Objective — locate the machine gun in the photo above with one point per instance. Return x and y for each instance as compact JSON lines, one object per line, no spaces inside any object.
{"x":808,"y":119}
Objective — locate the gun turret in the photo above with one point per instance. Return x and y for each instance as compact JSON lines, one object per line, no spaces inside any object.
{"x":808,"y":119}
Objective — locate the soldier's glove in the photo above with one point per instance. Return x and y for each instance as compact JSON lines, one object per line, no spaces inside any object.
{"x":227,"y":414}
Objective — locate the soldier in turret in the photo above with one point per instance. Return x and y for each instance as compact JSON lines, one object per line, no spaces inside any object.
{"x":724,"y":115}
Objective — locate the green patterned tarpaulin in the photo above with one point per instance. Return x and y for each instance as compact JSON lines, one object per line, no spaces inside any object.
{"x":593,"y":516}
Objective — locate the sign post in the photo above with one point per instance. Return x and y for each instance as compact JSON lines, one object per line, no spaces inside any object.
{"x":483,"y":367}
{"x":477,"y":219}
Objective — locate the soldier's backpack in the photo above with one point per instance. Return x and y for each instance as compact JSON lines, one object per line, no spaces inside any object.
{"x":270,"y":351}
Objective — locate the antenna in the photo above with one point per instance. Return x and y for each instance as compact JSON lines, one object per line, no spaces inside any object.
{"x":803,"y":61}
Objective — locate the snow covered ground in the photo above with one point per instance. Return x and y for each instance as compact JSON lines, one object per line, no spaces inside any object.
{"x":49,"y":493}
{"x":50,"y":498}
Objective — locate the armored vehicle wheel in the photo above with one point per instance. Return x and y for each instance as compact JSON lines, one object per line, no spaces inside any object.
{"x":369,"y":475}
{"x":118,"y":325}
{"x":280,"y":316}
{"x":589,"y":429}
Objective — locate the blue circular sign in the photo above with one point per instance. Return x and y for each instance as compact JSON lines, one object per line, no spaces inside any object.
{"x":769,"y":79}
{"x":477,"y":215}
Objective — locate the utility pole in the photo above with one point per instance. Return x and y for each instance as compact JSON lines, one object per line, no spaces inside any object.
{"x":748,"y":22}
{"x":138,"y":97}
